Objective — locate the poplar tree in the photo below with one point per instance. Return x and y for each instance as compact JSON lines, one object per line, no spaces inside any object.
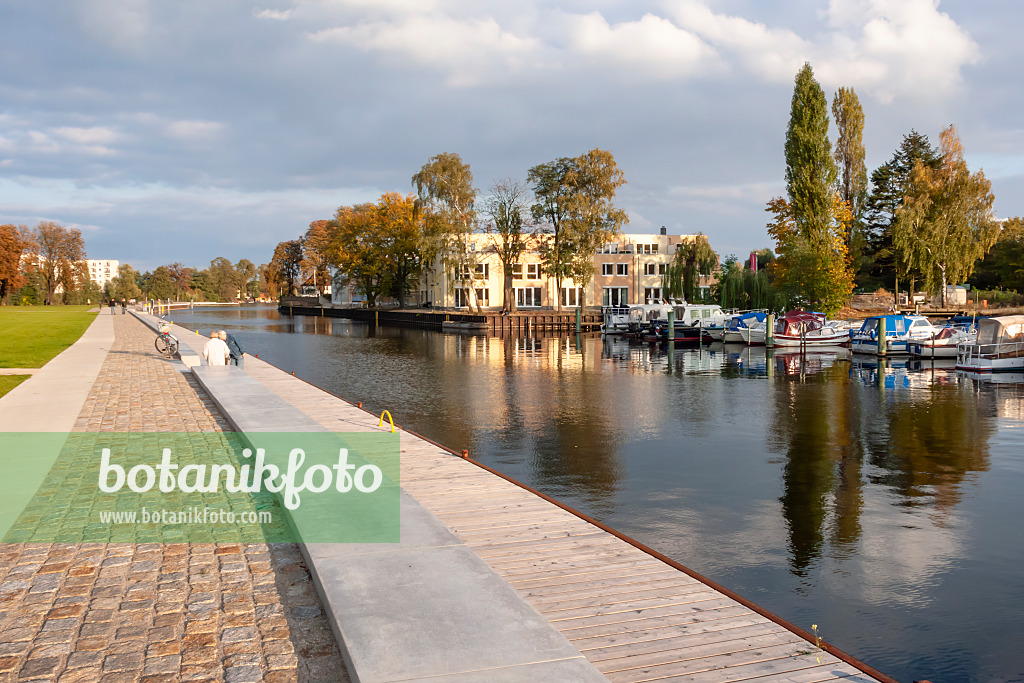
{"x":810,"y":168}
{"x":849,"y":158}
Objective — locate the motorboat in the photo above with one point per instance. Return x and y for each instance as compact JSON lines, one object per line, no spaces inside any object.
{"x":615,"y":319}
{"x":899,"y":331}
{"x":944,"y":344}
{"x":643,"y":316}
{"x":754,"y":333}
{"x":691,"y":319}
{"x":731,"y":333}
{"x":998,"y":348}
{"x":807,"y":328}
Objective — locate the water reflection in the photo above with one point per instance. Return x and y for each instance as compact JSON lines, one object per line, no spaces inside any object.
{"x":823,"y":485}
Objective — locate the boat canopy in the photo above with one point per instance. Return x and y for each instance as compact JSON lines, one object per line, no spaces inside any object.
{"x":746,"y":320}
{"x":795,"y":321}
{"x":1001,"y":330}
{"x":894,"y":323}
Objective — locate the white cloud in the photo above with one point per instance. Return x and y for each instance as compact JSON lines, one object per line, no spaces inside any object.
{"x":95,"y":135}
{"x":123,"y":24}
{"x":277,"y":15}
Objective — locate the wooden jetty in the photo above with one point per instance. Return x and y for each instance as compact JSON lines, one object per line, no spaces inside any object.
{"x":519,"y":322}
{"x":635,"y":614}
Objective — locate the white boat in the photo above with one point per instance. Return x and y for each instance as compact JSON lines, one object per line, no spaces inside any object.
{"x":615,"y":319}
{"x":999,"y":347}
{"x":943,"y":345}
{"x":899,"y":331}
{"x":731,"y":333}
{"x":642,"y":316}
{"x":805,"y":328}
{"x":753,"y":333}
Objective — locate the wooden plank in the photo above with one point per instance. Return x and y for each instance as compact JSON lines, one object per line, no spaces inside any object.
{"x":622,"y":627}
{"x":610,"y":607}
{"x":679,"y":640}
{"x":688,"y":651}
{"x":733,"y":666}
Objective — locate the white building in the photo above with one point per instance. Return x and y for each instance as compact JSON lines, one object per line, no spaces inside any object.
{"x":101,"y":272}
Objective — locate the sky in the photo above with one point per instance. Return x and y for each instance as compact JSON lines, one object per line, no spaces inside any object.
{"x":188,"y":130}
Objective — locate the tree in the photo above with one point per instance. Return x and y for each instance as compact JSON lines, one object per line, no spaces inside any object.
{"x":401,"y":227}
{"x":574,"y":204}
{"x":287,"y":262}
{"x":60,"y":249}
{"x":888,"y":187}
{"x":682,"y":277}
{"x":810,"y":168}
{"x":160,"y":285}
{"x":14,"y":241}
{"x":315,"y":247}
{"x":817,"y":271}
{"x":945,"y":223}
{"x":444,"y":186}
{"x":245,"y":272}
{"x":357,"y":247}
{"x":508,"y":208}
{"x":849,"y":158}
{"x":181,"y":277}
{"x":1003,"y":266}
{"x":123,"y":286}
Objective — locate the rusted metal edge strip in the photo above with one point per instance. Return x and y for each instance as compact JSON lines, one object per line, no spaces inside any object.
{"x":831,"y":649}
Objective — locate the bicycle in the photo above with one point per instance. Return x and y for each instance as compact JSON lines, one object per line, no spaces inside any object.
{"x":165,"y":342}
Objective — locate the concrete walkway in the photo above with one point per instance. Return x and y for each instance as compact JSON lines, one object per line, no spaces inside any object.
{"x":148,"y":612}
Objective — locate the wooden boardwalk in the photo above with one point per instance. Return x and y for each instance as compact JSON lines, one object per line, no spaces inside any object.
{"x":634,"y":616}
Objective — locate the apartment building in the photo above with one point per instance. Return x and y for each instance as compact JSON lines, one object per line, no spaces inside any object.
{"x":628,"y":271}
{"x":102,"y":271}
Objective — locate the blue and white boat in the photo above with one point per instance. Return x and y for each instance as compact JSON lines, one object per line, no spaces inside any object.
{"x":899,"y":331}
{"x":732,"y":332}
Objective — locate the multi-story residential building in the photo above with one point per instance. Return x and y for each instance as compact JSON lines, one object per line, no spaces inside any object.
{"x":628,"y":271}
{"x":101,"y":272}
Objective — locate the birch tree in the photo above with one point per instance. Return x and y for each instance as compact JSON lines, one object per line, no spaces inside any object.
{"x":945,"y":223}
{"x":508,"y":208}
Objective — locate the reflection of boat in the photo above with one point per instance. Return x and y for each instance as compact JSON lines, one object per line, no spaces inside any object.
{"x":899,"y":330}
{"x":999,"y":348}
{"x":790,"y":361}
{"x":804,"y":328}
{"x":994,"y":378}
{"x":942,"y":345}
{"x":462,"y":326}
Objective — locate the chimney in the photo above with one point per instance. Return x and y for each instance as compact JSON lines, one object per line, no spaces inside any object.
{"x":663,"y":231}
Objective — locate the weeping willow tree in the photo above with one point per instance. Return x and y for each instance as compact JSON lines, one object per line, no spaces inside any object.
{"x":741,"y":288}
{"x":682,"y":276}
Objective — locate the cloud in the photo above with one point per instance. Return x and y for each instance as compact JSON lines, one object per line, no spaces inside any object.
{"x":193,"y":130}
{"x":277,"y":15}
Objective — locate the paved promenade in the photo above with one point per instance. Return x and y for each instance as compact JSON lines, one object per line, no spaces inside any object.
{"x":148,"y":612}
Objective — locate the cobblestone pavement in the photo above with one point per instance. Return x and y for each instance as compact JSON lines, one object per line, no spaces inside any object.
{"x":157,"y":613}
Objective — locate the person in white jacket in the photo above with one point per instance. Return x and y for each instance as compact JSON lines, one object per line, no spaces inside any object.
{"x":216,"y":352}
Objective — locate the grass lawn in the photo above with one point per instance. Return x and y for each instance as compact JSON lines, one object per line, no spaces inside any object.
{"x":8,"y":382}
{"x":32,"y":335}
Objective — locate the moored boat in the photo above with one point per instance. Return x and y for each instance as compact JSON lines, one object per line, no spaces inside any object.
{"x":943,"y":345}
{"x":999,"y":346}
{"x":806,"y":328}
{"x":899,"y":331}
{"x":732,"y":329}
{"x":615,"y":319}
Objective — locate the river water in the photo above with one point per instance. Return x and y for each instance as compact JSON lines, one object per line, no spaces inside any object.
{"x":883,"y":504}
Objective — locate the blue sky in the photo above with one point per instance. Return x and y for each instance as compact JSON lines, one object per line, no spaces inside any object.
{"x":188,"y":130}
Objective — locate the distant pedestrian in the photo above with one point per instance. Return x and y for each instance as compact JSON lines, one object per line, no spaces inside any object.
{"x":234,"y":349}
{"x":113,"y":304}
{"x":216,"y":351}
{"x":124,"y":306}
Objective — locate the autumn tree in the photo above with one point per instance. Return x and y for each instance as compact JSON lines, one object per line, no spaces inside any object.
{"x":357,"y":247}
{"x":14,"y":241}
{"x":849,"y":157}
{"x":287,"y":263}
{"x":159,"y":284}
{"x":682,"y":277}
{"x":315,"y":256}
{"x":576,"y":211}
{"x":508,"y":208}
{"x":444,"y":187}
{"x":945,"y":223}
{"x":124,"y":285}
{"x":818,"y":271}
{"x":59,"y":251}
{"x":245,"y":273}
{"x":1003,"y":266}
{"x":401,"y":226}
{"x":181,"y":277}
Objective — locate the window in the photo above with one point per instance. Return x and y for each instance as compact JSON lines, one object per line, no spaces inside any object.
{"x":609,"y":249}
{"x":622,"y":269}
{"x":517,"y":271}
{"x":572,"y":296}
{"x":481,"y":271}
{"x":607,"y":269}
{"x":532,"y":271}
{"x":662,"y":268}
{"x":461,"y":297}
{"x":647,"y":248}
{"x":650,"y":269}
{"x":652,"y":294}
{"x":615,"y":296}
{"x":483,"y":297}
{"x":527,"y":296}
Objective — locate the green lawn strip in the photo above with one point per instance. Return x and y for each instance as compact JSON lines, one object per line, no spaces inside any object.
{"x":8,"y":382}
{"x":31,"y":335}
